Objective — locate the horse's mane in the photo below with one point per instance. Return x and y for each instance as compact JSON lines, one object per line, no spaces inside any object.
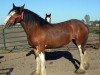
{"x":30,"y":16}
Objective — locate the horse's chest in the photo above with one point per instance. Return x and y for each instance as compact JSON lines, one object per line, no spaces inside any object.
{"x":35,"y":40}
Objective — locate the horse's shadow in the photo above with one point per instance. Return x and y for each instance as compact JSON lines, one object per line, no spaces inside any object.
{"x":1,"y":57}
{"x":58,"y":54}
{"x":6,"y":71}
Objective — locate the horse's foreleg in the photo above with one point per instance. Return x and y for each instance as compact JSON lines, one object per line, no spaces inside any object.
{"x":42,"y":58}
{"x":38,"y":65}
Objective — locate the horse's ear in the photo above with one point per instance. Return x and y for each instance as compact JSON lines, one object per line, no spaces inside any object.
{"x":50,"y":14}
{"x":14,"y":5}
{"x":22,"y":7}
{"x":46,"y":14}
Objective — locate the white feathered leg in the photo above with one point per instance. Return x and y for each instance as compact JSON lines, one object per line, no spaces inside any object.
{"x":42,"y":58}
{"x":38,"y":67}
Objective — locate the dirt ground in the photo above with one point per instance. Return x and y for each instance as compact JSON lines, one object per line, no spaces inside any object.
{"x":58,"y":62}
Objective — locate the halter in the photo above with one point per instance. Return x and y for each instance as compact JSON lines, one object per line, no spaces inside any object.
{"x":21,"y":16}
{"x":17,"y":18}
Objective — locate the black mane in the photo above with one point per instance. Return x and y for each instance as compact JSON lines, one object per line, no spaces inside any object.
{"x":30,"y":16}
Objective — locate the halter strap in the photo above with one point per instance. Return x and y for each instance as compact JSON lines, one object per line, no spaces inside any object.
{"x":22,"y":15}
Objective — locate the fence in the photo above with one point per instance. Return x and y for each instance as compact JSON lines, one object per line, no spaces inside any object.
{"x":14,"y":37}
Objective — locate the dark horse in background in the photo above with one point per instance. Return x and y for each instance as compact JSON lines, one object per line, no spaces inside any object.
{"x":43,"y":35}
{"x":48,"y":17}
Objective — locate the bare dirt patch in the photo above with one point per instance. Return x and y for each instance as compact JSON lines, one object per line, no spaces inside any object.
{"x":59,"y":62}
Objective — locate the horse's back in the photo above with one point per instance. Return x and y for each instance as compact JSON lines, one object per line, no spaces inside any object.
{"x":73,"y":26}
{"x":79,"y":31}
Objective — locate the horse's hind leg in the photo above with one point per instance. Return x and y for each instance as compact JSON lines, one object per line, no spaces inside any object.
{"x":84,"y":64}
{"x":81,"y":69}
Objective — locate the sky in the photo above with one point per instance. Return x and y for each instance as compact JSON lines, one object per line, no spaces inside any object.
{"x":61,"y":10}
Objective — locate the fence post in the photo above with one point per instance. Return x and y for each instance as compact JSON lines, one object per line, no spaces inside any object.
{"x":4,"y":39}
{"x":99,"y":35}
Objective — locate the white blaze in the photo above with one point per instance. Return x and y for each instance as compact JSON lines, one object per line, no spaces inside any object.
{"x":9,"y":16}
{"x":48,"y":19}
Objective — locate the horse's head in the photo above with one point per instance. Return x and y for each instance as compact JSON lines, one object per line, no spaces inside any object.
{"x":14,"y":16}
{"x":48,"y":17}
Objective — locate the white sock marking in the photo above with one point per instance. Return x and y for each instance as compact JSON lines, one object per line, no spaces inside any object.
{"x":82,"y":57}
{"x":42,"y":58}
{"x":38,"y":67}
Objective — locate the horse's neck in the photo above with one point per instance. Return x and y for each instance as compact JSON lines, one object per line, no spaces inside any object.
{"x":27,"y":28}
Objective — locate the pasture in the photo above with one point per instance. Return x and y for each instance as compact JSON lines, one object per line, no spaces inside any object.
{"x":16,"y":60}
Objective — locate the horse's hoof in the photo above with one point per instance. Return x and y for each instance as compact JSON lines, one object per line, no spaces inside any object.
{"x":86,"y":66}
{"x":34,"y":73}
{"x":80,"y":71}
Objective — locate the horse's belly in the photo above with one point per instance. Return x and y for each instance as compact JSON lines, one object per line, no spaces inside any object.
{"x":54,"y":46}
{"x":56,"y":43}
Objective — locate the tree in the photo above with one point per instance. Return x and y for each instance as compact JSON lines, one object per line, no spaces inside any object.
{"x":87,"y":19}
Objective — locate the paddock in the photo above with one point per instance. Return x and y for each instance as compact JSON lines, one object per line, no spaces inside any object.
{"x":18,"y":63}
{"x":14,"y":59}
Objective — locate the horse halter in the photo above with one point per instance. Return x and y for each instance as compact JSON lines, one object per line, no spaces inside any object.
{"x":20,"y":17}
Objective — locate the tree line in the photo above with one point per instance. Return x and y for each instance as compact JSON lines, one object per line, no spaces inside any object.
{"x":87,"y":20}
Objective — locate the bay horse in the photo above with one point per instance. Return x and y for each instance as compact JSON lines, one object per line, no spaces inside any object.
{"x":43,"y":35}
{"x":48,"y":17}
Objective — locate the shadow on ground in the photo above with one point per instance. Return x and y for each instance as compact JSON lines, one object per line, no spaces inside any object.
{"x":6,"y":71}
{"x":1,"y":57}
{"x":57,"y":55}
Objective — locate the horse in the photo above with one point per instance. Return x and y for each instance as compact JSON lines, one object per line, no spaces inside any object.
{"x":48,"y":17}
{"x":42,"y":35}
